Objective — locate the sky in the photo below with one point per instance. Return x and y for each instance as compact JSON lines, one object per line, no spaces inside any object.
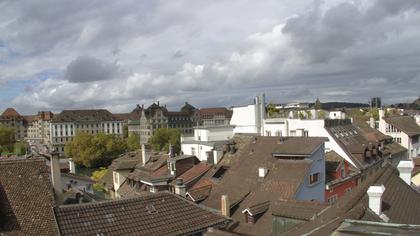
{"x":79,"y":54}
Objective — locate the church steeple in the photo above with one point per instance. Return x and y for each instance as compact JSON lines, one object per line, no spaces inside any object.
{"x":318,"y":104}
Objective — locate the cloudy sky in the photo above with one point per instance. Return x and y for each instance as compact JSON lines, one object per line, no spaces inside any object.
{"x":58,"y":55}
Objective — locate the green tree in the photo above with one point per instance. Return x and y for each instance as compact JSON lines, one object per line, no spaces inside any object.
{"x":272,"y":110}
{"x":95,"y":150}
{"x":321,"y":114}
{"x":7,"y":139}
{"x":163,"y":137}
{"x":97,"y":175}
{"x":133,"y":142}
{"x":125,"y":131}
{"x":20,"y":148}
{"x":301,"y":115}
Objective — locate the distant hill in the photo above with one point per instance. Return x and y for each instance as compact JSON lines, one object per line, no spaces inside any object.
{"x":415,"y":105}
{"x":339,"y":105}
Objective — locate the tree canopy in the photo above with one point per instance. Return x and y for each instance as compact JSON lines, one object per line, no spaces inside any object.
{"x":163,"y":137}
{"x":7,"y":139}
{"x":133,"y":141}
{"x":95,"y":150}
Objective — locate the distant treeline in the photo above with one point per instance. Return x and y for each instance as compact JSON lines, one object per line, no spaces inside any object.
{"x":338,"y":105}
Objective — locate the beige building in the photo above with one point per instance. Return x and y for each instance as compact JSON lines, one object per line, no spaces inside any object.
{"x":65,"y":125}
{"x":12,"y":119}
{"x":39,"y":127}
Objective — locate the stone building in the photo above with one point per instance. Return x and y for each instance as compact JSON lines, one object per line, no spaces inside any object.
{"x":39,"y":127}
{"x":12,"y":119}
{"x":157,"y":116}
{"x":65,"y":125}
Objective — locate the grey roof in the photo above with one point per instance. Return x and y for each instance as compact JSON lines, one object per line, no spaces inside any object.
{"x":356,"y":227}
{"x":162,"y":213}
{"x":405,"y":123}
{"x":85,"y":116}
{"x":300,"y":146}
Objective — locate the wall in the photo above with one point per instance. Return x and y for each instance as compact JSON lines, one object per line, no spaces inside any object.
{"x":315,"y":191}
{"x":340,"y":189}
{"x":244,"y":119}
{"x":315,"y":128}
{"x":213,"y":133}
{"x":200,"y":150}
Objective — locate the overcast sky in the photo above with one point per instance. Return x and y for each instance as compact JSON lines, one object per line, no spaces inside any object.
{"x":58,"y":55}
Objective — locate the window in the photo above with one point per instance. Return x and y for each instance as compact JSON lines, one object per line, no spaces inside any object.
{"x":268,"y":133}
{"x":278,"y":133}
{"x":314,"y":178}
{"x":305,"y":133}
{"x":332,"y":199}
{"x":220,"y":172}
{"x":292,"y":132}
{"x":342,"y":170}
{"x":348,"y":190}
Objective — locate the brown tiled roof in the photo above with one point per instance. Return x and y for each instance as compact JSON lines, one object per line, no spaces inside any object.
{"x":10,"y":112}
{"x":332,"y":161}
{"x":301,"y":146}
{"x":26,"y":198}
{"x":127,"y":161}
{"x":400,"y":204}
{"x":84,"y":115}
{"x":31,"y":118}
{"x":215,"y":111}
{"x":405,"y":123}
{"x":245,"y":188}
{"x":121,"y":116}
{"x":354,"y":143}
{"x":370,"y":133}
{"x":162,"y":213}
{"x":296,"y":209}
{"x":198,"y":194}
{"x":195,"y":172}
{"x":258,"y":208}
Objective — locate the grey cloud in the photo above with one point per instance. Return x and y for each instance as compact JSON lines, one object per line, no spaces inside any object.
{"x":88,"y":69}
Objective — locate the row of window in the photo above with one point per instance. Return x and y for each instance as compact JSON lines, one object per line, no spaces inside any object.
{"x":391,"y":128}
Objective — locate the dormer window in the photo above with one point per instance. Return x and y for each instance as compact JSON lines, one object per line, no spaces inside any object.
{"x":314,"y":178}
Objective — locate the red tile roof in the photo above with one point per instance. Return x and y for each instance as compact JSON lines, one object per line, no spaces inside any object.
{"x":195,"y":172}
{"x":10,"y":112}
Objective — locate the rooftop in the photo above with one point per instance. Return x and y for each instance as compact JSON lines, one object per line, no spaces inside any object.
{"x":84,"y":116}
{"x":162,"y":213}
{"x":26,"y":198}
{"x":405,"y":123}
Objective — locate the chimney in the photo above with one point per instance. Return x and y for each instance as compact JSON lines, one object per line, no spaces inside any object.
{"x":381,"y":113}
{"x":372,"y":122}
{"x":375,"y":198}
{"x":144,"y":157}
{"x":262,"y":172}
{"x":405,"y":168}
{"x":56,"y":173}
{"x":225,"y":206}
{"x":180,"y":187}
{"x":158,"y":103}
{"x":171,"y":151}
{"x":72,"y":167}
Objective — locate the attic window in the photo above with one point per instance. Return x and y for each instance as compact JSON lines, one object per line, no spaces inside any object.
{"x":220,"y":172}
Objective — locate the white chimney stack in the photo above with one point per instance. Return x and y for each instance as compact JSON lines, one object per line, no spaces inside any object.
{"x":262,"y":172}
{"x":56,"y":173}
{"x":372,"y":122}
{"x":375,"y":198}
{"x":72,"y":166}
{"x":225,"y":205}
{"x":180,"y":187}
{"x":405,"y":168}
{"x":381,"y":113}
{"x":144,"y":157}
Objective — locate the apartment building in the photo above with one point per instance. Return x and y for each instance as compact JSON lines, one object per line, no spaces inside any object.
{"x":66,"y":124}
{"x":39,"y":127}
{"x":12,"y":119}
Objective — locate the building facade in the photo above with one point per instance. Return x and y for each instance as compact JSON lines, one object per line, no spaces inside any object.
{"x":65,"y":125}
{"x":403,"y":129}
{"x":157,"y":116}
{"x":12,"y":119}
{"x":39,"y":127}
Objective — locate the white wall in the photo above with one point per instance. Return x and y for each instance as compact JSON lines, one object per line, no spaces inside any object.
{"x":314,"y":128}
{"x":213,"y":133}
{"x":244,"y":120}
{"x":200,"y":150}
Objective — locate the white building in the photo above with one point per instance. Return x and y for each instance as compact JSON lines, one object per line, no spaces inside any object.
{"x":207,"y":142}
{"x":403,"y":129}
{"x":249,"y":119}
{"x":65,"y":125}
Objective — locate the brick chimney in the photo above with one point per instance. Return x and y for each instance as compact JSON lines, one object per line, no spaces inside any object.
{"x":225,"y":206}
{"x":56,"y":173}
{"x":405,"y":168}
{"x":375,"y":198}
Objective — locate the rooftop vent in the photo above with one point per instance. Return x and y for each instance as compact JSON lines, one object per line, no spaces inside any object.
{"x":150,"y":208}
{"x":262,"y":172}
